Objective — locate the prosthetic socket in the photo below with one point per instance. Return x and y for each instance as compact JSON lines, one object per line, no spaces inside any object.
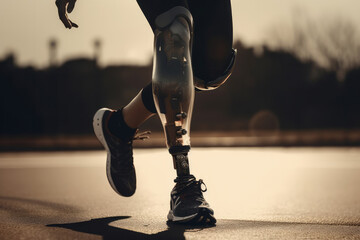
{"x":173,"y":86}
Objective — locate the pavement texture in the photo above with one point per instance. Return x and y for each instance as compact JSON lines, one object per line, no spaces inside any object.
{"x":257,"y":193}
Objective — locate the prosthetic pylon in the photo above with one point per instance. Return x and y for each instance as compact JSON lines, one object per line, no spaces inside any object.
{"x":173,"y":86}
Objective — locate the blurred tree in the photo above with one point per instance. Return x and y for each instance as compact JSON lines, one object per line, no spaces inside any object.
{"x":333,"y":43}
{"x":97,"y":49}
{"x":53,"y":43}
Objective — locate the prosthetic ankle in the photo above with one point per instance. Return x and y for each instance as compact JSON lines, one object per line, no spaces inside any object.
{"x":173,"y":86}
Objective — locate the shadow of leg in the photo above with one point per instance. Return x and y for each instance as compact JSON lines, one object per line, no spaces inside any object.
{"x":101,"y":227}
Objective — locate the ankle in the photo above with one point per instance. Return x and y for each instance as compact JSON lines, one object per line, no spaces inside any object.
{"x":126,"y":116}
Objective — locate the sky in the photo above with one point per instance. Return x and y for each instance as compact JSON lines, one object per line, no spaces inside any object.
{"x":27,"y":26}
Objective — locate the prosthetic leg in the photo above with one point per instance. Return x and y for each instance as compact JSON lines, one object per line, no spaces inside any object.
{"x":173,"y":86}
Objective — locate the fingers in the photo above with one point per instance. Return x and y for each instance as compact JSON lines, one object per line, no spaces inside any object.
{"x":73,"y":24}
{"x":71,"y":6}
{"x":62,"y":6}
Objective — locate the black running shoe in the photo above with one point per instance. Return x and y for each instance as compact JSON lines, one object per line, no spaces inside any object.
{"x":187,"y":204}
{"x":120,"y":169}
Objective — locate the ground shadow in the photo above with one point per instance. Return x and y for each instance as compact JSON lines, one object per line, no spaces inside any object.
{"x":34,"y":209}
{"x":101,"y":227}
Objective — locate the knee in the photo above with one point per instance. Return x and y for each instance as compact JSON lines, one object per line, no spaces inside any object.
{"x":211,"y":73}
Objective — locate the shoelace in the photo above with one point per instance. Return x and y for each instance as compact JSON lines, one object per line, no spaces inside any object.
{"x":201,"y":182}
{"x":191,"y":185}
{"x":126,"y":151}
{"x":142,"y":135}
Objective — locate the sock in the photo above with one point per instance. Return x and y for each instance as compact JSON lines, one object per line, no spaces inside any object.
{"x":147,"y":98}
{"x":119,"y":128}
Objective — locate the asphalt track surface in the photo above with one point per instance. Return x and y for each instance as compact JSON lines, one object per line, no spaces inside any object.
{"x":257,"y":193}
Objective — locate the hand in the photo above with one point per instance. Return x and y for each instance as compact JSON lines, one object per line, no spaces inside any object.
{"x":63,"y":7}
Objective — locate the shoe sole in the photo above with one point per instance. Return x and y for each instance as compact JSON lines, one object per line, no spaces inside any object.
{"x":204,"y":216}
{"x":99,"y":132}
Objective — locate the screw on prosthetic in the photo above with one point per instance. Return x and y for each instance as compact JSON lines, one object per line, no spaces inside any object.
{"x":173,"y":86}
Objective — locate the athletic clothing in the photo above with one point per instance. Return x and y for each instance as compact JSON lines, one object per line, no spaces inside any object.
{"x":213,"y":37}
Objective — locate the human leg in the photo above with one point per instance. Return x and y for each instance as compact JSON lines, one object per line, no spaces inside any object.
{"x":136,"y":112}
{"x":173,"y":86}
{"x":213,"y":57}
{"x":116,"y":130}
{"x":173,"y":92}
